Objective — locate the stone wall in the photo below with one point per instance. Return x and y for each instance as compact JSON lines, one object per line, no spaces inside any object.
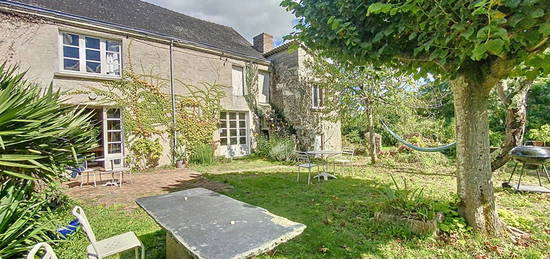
{"x":291,"y":95}
{"x":33,"y":44}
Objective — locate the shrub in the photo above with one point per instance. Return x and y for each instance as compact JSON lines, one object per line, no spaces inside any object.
{"x":276,"y":148}
{"x":282,"y":149}
{"x":408,"y":202}
{"x":423,"y":159}
{"x":145,"y":153}
{"x":263,"y":146}
{"x":203,"y":154}
{"x":541,"y":134}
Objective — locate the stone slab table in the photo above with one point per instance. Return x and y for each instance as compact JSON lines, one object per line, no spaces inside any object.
{"x":201,"y":223}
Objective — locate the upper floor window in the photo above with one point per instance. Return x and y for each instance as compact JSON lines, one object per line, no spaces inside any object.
{"x":263,"y":86}
{"x":90,"y":55}
{"x":317,"y":97}
{"x":237,"y":81}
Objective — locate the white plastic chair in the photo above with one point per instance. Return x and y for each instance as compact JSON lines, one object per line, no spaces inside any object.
{"x":109,"y":246}
{"x":50,"y":254}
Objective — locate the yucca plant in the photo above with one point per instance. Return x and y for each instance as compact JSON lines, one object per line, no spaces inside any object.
{"x":23,"y":219}
{"x":39,"y":135}
{"x":39,"y":138}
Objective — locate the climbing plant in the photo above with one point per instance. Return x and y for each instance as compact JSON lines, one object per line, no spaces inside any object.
{"x":147,"y":113}
{"x":198,"y":114}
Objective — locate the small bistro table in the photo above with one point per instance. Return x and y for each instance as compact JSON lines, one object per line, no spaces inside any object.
{"x":325,"y":154}
{"x":201,"y":223}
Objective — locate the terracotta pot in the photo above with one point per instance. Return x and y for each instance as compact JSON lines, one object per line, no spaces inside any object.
{"x":180,"y":164}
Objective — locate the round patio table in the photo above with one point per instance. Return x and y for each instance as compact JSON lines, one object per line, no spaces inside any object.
{"x":325,"y":154}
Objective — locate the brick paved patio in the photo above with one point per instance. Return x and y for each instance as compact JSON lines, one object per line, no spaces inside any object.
{"x":144,"y":184}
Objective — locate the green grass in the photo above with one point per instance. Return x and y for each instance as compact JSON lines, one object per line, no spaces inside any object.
{"x":242,"y":164}
{"x":339,"y":215}
{"x":110,"y":221}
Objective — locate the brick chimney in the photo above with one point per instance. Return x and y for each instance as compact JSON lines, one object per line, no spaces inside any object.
{"x":263,"y":42}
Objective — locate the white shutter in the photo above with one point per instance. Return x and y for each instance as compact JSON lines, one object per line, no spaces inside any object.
{"x":263,"y":87}
{"x":237,"y":80}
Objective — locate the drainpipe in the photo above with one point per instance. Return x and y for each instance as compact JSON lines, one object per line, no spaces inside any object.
{"x":173,"y":95}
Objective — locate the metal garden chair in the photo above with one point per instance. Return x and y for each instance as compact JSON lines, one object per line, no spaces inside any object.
{"x":49,"y":253}
{"x":109,"y":246}
{"x":304,"y":161}
{"x":346,"y":158}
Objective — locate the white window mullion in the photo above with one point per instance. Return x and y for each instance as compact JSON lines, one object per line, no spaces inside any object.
{"x":82,"y":53}
{"x":103,"y":57}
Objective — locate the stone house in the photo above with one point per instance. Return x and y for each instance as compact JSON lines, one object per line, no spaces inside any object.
{"x":74,"y":44}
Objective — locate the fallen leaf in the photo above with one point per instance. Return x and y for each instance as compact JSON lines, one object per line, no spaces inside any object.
{"x":323,"y":249}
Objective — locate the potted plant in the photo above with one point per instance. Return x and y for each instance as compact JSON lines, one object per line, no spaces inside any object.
{"x":541,"y":136}
{"x":181,"y":156}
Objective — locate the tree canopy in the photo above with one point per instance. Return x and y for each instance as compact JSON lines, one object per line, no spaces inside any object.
{"x":435,"y":36}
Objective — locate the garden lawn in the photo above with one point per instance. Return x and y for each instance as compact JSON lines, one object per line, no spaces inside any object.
{"x":339,"y":216}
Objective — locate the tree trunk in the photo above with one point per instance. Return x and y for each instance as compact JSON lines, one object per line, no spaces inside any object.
{"x":372,"y":141}
{"x":474,"y":175}
{"x":516,"y":117}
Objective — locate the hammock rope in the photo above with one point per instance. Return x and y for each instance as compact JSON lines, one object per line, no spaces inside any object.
{"x":412,"y":146}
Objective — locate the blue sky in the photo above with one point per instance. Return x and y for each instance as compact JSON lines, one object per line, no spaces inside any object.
{"x":248,"y":17}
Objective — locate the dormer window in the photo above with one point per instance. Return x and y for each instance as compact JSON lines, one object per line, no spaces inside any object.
{"x":90,"y":55}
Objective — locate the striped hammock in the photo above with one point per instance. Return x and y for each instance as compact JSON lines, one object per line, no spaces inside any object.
{"x":412,"y":146}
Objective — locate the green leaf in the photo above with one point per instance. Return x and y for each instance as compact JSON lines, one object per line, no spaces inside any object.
{"x":469,"y":32}
{"x":536,"y":13}
{"x":18,"y":175}
{"x":545,"y":28}
{"x":479,"y":52}
{"x":495,"y":46}
{"x":17,"y":157}
{"x":17,"y":165}
{"x":512,"y":3}
{"x":378,"y":8}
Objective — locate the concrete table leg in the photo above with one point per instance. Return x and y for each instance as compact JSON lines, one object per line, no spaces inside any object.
{"x":175,"y":249}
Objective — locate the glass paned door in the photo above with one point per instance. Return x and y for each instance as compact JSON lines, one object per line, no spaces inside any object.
{"x":234,"y":138}
{"x":113,"y":136}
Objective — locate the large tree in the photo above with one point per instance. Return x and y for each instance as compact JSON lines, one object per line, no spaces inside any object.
{"x":474,"y":44}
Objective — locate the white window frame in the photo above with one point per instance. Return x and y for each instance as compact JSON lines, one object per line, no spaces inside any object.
{"x":82,"y":55}
{"x":263,"y":98}
{"x":107,"y":131}
{"x":235,"y":88}
{"x":320,"y":97}
{"x":238,"y":128}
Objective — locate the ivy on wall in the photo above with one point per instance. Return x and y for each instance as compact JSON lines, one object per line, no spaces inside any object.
{"x":198,"y":114}
{"x":146,"y":111}
{"x":265,"y":116}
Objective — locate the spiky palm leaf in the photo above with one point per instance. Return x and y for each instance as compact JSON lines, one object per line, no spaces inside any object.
{"x":39,"y":135}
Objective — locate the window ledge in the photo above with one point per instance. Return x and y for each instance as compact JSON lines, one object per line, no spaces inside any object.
{"x":65,"y":74}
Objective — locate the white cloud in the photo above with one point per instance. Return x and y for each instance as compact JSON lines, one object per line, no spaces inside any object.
{"x":248,"y":17}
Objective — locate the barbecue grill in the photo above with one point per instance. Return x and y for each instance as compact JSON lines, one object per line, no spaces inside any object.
{"x":530,"y":156}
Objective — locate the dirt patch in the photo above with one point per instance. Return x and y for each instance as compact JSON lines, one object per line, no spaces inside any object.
{"x":142,"y":185}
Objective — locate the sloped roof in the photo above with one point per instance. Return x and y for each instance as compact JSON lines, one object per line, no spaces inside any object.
{"x":148,"y":17}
